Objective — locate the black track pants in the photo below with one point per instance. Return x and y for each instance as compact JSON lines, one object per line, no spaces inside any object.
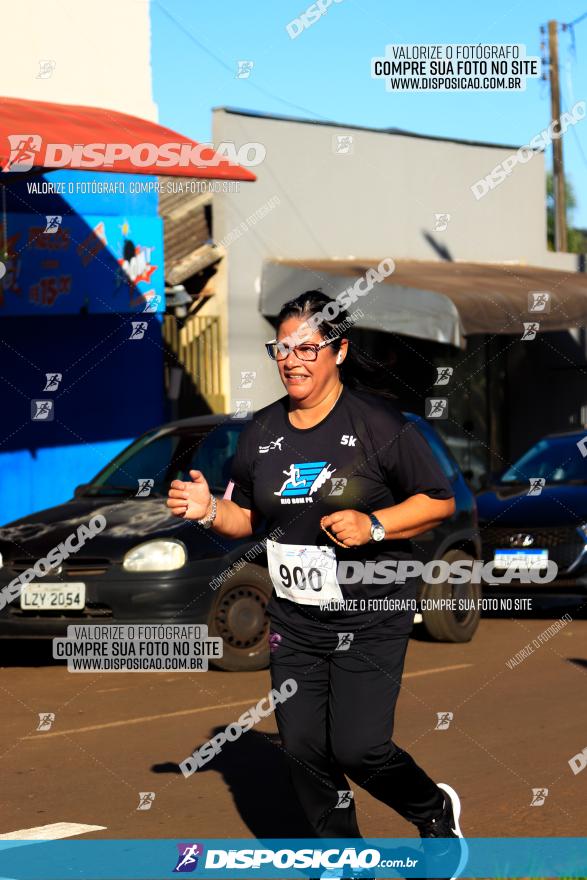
{"x":340,"y":722}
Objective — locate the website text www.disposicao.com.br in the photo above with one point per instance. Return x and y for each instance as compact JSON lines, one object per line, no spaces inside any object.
{"x":330,"y":859}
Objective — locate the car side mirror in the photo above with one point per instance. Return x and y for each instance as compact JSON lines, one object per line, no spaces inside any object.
{"x":80,"y":490}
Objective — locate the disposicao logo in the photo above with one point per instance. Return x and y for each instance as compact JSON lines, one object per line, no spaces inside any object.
{"x":29,"y":149}
{"x":189,"y":854}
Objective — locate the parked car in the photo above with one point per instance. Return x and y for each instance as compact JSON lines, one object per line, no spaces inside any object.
{"x":148,"y":566}
{"x":548,"y":524}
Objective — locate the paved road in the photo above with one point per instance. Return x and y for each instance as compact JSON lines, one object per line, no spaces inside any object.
{"x":115,"y":735}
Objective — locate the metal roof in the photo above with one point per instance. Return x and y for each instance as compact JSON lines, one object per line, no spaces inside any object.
{"x":442,"y":301}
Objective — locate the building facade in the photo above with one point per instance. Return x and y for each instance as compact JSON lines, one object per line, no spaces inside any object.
{"x":330,"y":200}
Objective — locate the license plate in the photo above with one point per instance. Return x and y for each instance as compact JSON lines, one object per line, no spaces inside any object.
{"x":520,"y":559}
{"x":53,"y":597}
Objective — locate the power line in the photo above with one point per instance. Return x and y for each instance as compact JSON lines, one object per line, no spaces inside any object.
{"x":570,"y":25}
{"x":574,"y":130}
{"x":571,"y":28}
{"x":226,"y":66}
{"x":573,"y":57}
{"x":576,"y":21}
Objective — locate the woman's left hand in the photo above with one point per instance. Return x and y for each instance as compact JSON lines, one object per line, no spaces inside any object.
{"x":348,"y":526}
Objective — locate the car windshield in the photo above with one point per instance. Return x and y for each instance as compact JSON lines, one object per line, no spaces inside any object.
{"x":556,"y":460}
{"x":147,"y":466}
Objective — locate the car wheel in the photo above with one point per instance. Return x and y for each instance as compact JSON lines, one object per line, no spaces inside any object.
{"x":238,"y":617}
{"x":444,"y":625}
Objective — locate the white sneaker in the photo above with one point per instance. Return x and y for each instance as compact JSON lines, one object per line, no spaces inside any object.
{"x":447,"y":826}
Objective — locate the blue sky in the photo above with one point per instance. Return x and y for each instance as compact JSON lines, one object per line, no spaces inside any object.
{"x":325,"y":72}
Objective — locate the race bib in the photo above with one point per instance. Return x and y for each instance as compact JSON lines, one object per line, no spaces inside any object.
{"x":302,"y":573}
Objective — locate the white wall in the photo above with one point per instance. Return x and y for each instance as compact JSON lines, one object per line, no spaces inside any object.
{"x":379,"y":201}
{"x":102,"y":53}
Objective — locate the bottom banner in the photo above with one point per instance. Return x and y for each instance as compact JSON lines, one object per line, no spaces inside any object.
{"x":543,"y":857}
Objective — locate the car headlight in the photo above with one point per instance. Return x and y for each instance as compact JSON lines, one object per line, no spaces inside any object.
{"x":155,"y":556}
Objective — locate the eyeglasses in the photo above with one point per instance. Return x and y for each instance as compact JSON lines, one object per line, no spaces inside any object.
{"x":306,"y":351}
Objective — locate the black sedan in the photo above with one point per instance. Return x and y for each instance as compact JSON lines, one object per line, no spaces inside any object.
{"x":536,"y":510}
{"x":148,"y":566}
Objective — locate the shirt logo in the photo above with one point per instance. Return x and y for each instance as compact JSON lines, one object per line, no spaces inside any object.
{"x":302,"y":480}
{"x":275,"y":444}
{"x":348,"y":440}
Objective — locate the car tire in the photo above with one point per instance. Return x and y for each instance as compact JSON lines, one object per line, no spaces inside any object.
{"x":238,"y":616}
{"x":444,"y":625}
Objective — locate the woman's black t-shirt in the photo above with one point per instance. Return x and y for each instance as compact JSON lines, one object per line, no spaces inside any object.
{"x":364,"y":455}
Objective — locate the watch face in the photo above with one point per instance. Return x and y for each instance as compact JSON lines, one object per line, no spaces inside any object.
{"x":377,"y":533}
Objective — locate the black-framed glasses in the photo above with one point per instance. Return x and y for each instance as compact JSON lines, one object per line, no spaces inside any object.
{"x":305,"y":351}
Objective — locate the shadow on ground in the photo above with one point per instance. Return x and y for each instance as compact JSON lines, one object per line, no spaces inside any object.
{"x":254,"y":770}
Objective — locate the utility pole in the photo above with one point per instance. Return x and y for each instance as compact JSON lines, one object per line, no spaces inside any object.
{"x":560,"y":222}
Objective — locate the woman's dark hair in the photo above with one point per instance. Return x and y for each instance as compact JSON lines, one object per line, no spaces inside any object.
{"x":358,"y":370}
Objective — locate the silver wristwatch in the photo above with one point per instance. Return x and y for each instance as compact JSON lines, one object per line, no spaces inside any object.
{"x":209,"y":518}
{"x":377,"y":528}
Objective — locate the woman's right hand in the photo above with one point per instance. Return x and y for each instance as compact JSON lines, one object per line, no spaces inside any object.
{"x":189,"y":500}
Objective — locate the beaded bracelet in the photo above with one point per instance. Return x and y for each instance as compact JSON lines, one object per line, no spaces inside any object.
{"x":332,"y":538}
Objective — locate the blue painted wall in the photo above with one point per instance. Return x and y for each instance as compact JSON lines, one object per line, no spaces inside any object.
{"x":110,"y":248}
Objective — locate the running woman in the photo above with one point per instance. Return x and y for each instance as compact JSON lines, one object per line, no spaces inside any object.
{"x":348,"y":479}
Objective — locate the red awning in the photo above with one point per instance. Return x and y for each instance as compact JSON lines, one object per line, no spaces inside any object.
{"x":38,"y":134}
